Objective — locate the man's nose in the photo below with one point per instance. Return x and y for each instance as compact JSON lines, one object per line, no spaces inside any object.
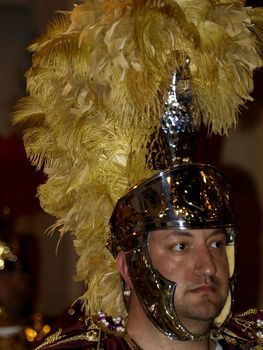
{"x":205,"y":262}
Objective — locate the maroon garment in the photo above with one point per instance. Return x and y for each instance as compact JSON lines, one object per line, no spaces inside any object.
{"x":78,"y":337}
{"x":242,"y":329}
{"x":85,"y":335}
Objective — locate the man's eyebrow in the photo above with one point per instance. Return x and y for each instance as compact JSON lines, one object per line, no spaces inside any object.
{"x":174,"y":233}
{"x":180,"y":233}
{"x":218,"y":231}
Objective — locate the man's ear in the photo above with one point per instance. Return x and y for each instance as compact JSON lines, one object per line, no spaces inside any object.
{"x":123,"y":268}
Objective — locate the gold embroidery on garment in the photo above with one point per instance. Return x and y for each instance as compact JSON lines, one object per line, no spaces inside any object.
{"x":247,"y":313}
{"x":50,"y":340}
{"x":56,"y":340}
{"x":231,"y":338}
{"x":248,"y":328}
{"x":92,"y":334}
{"x":94,"y":331}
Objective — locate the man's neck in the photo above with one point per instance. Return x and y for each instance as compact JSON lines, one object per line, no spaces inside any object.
{"x":148,"y":337}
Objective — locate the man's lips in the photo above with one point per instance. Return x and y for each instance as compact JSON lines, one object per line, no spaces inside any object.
{"x":204,"y":288}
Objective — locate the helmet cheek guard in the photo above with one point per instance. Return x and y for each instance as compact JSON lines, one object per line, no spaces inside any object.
{"x":192,"y":196}
{"x":155,"y":293}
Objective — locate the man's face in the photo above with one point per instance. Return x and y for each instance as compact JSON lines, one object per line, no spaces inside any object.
{"x":196,"y":260}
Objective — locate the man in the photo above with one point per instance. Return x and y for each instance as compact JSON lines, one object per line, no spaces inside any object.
{"x":201,"y":276}
{"x":118,"y":90}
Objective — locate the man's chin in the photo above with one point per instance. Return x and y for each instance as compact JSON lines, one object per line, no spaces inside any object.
{"x":205,"y":310}
{"x":198,"y":321}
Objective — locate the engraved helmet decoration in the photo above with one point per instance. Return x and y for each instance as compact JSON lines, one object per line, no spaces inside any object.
{"x":181,"y":195}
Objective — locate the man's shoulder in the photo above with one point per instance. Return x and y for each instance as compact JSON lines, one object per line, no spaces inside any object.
{"x":245,"y":331}
{"x":88,"y":333}
{"x":82,"y":335}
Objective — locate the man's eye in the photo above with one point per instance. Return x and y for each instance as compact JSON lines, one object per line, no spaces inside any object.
{"x":179,"y":247}
{"x":218,"y":244}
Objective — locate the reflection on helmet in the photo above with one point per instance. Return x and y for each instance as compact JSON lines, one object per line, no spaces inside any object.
{"x":192,"y":196}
